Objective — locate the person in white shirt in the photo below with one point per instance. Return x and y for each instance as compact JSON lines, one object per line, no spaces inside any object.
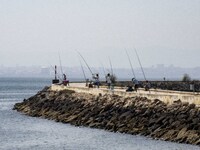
{"x":108,"y":80}
{"x":96,"y":78}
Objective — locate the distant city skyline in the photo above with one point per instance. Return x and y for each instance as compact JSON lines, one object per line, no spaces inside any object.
{"x":35,"y":33}
{"x":152,"y":73}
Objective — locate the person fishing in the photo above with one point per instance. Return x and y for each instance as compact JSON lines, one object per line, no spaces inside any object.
{"x":65,"y":81}
{"x":147,"y":85}
{"x":96,"y":78}
{"x":108,"y":81}
{"x":135,"y":83}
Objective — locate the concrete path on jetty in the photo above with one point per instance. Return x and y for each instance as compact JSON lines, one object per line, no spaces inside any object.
{"x":166,"y":96}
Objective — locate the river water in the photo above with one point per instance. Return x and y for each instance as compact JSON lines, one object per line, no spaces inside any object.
{"x":21,"y":132}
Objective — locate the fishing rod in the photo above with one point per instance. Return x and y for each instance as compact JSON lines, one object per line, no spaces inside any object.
{"x":85,"y":62}
{"x":140,"y":64}
{"x":108,"y":70}
{"x":130,"y":64}
{"x":83,"y":70}
{"x":60,"y":63}
{"x":110,"y":65}
{"x":103,"y":69}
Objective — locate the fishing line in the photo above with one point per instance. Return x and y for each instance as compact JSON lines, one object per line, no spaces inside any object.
{"x":83,"y":70}
{"x":60,"y":63}
{"x":140,"y":64}
{"x":110,"y":65}
{"x":85,"y":62}
{"x":130,"y":64}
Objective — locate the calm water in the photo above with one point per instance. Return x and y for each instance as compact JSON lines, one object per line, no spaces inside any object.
{"x":20,"y":132}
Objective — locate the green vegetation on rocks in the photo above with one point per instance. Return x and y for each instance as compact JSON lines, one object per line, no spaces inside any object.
{"x":186,"y":78}
{"x":179,"y":122}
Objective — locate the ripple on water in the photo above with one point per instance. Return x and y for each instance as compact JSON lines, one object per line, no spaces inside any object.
{"x":24,"y":132}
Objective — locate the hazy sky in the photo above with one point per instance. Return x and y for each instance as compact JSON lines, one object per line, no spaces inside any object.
{"x":34,"y":32}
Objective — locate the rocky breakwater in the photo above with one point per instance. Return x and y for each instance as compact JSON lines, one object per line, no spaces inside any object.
{"x":179,"y":122}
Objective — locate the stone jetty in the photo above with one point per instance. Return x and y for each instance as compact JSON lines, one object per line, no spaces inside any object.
{"x":177,"y":122}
